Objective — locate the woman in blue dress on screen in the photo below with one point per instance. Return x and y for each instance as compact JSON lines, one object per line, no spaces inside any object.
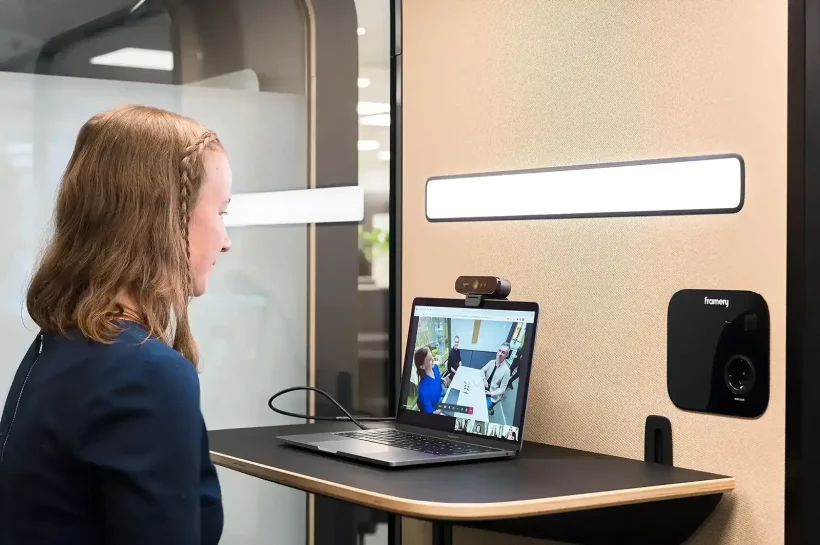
{"x":430,"y":388}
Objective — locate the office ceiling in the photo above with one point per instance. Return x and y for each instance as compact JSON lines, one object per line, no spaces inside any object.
{"x":374,"y":45}
{"x":374,"y":64}
{"x":28,"y":24}
{"x":25,"y":25}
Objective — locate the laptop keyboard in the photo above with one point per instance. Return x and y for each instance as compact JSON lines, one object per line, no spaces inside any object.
{"x":412,"y":441}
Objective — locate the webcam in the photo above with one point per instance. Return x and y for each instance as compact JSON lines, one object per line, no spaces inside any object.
{"x":489,"y":287}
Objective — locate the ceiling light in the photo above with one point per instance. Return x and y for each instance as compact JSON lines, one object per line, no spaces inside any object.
{"x":378,"y":120}
{"x":383,"y":155}
{"x":712,"y":184}
{"x":324,"y":205}
{"x":361,"y":31}
{"x":372,"y":108}
{"x":135,"y":57}
{"x":368,"y":145}
{"x":363,"y":82}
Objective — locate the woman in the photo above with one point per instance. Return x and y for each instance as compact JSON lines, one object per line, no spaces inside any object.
{"x":430,"y":388}
{"x":102,"y":439}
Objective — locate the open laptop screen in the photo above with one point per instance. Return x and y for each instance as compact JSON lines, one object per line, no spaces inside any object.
{"x":467,"y":369}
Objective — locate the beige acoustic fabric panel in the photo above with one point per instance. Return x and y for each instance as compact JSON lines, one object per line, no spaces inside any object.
{"x":498,"y":85}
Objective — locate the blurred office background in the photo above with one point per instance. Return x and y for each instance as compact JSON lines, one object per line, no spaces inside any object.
{"x":290,"y":304}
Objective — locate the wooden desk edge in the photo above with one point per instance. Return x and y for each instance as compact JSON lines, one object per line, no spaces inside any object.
{"x":474,"y":511}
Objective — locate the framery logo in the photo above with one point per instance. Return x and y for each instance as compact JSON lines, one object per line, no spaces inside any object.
{"x":718,"y":302}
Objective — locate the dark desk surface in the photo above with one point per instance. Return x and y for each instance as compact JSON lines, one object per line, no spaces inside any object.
{"x":542,"y":480}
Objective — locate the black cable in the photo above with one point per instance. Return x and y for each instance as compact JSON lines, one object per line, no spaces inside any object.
{"x":356,"y":420}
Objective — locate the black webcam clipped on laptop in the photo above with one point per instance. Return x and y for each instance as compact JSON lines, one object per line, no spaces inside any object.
{"x":477,"y":288}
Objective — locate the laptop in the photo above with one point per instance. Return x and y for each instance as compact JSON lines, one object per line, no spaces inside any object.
{"x":464,"y":389}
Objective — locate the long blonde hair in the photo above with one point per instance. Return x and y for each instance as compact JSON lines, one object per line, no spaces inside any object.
{"x":121,"y":228}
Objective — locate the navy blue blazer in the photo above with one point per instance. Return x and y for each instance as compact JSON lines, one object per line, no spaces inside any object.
{"x":106,"y":444}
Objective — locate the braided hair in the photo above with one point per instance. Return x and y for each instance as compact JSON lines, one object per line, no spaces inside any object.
{"x":191,"y":173}
{"x":119,"y":248}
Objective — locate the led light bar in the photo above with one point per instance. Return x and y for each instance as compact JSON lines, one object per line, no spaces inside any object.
{"x":691,"y":185}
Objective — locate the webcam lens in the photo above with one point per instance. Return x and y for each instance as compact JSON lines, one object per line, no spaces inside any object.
{"x":739,"y":375}
{"x":475,"y":284}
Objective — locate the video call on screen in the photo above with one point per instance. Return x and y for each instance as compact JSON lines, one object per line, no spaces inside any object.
{"x":466,"y":365}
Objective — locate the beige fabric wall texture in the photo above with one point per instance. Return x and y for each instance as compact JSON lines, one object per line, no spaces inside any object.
{"x":494,"y":85}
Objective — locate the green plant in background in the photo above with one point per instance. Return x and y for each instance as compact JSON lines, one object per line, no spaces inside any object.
{"x":378,"y":239}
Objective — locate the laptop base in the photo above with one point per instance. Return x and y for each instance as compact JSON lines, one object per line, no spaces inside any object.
{"x":360,"y":450}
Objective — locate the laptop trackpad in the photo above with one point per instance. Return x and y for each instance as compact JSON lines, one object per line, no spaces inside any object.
{"x":353,"y":447}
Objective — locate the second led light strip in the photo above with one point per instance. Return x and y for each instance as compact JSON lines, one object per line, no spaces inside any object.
{"x":344,"y":204}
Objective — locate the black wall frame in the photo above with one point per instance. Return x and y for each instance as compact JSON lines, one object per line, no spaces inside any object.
{"x":394,"y":316}
{"x":802,"y":496}
{"x":395,"y":323}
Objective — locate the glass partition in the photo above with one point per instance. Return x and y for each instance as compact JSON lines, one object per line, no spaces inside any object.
{"x":290,"y":304}
{"x":252,"y":325}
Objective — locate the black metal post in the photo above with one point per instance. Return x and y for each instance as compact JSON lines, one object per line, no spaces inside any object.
{"x":393,"y":530}
{"x":442,"y":533}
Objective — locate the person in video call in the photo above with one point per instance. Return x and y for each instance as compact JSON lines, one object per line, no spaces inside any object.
{"x":454,"y":359}
{"x":496,"y":376}
{"x":430,"y":387}
{"x":102,"y":439}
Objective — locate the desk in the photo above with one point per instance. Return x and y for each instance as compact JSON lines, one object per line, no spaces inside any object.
{"x":467,"y":389}
{"x":548,"y":492}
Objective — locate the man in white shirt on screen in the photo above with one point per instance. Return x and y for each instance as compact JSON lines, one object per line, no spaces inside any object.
{"x":496,"y":376}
